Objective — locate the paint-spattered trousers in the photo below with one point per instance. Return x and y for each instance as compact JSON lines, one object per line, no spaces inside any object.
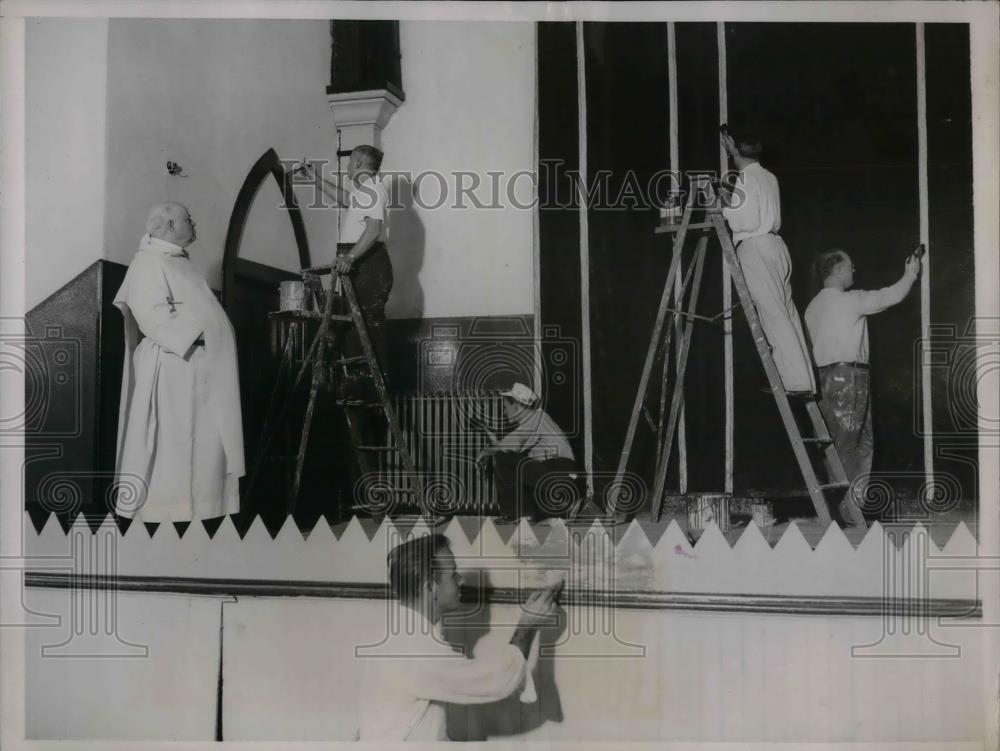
{"x":372,"y":279}
{"x":845,"y":401}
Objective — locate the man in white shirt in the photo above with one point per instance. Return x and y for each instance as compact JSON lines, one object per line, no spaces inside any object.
{"x":533,"y":465}
{"x":753,"y":212}
{"x":837,"y":319}
{"x":180,"y":428}
{"x":361,"y":251}
{"x":415,"y":672}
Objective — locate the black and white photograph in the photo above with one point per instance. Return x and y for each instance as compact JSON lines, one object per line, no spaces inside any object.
{"x":500,"y":373}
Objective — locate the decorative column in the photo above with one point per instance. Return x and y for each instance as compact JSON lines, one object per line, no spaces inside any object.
{"x":360,"y":116}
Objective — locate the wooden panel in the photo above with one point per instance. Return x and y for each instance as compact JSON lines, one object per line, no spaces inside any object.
{"x":63,"y":418}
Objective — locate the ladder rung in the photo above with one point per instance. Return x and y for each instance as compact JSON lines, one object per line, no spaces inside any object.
{"x":817,"y":440}
{"x":689,"y":315}
{"x":676,"y":227}
{"x":309,"y":314}
{"x":348,"y":360}
{"x":377,"y":448}
{"x":834,"y":485}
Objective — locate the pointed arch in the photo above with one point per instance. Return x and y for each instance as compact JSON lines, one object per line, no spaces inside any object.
{"x":268,"y":164}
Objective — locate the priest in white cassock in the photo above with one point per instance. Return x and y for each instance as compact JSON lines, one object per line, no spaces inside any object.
{"x":180,"y":430}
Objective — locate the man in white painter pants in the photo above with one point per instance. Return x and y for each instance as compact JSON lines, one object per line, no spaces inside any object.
{"x":753,"y":212}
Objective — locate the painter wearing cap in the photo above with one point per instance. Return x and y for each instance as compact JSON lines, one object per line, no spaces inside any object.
{"x":533,"y":465}
{"x":521,"y":394}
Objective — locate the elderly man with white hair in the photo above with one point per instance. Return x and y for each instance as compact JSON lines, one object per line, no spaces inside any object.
{"x":180,"y":430}
{"x":533,"y":465}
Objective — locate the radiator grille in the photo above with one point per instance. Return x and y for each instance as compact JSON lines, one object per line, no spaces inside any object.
{"x":445,"y":433}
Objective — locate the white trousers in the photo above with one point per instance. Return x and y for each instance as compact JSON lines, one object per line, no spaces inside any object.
{"x":768,"y":269}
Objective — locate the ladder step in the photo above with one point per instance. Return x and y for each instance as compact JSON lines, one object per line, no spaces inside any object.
{"x":660,"y":229}
{"x":377,"y":448}
{"x":834,"y":485}
{"x":824,"y":441}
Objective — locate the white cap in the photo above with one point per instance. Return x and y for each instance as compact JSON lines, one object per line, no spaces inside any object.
{"x":521,"y":393}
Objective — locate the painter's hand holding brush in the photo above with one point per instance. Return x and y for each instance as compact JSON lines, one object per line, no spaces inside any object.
{"x":330,"y":188}
{"x":537,"y":611}
{"x":490,"y":450}
{"x":912,"y":266}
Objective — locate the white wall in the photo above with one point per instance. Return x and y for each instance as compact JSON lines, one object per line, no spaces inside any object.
{"x":291,"y":674}
{"x":66,"y":83}
{"x":213,"y":95}
{"x":149,"y":673}
{"x":469,"y":106}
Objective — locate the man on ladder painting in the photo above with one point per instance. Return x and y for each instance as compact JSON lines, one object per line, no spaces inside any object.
{"x":753,"y":212}
{"x":362,"y":253}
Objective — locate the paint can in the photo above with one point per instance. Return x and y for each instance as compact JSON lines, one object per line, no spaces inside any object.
{"x":671,"y":212}
{"x":291,"y":295}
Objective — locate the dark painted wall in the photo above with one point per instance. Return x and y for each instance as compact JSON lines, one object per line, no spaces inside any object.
{"x":949,"y":135}
{"x":559,"y":229}
{"x":73,"y":358}
{"x":836,"y":107}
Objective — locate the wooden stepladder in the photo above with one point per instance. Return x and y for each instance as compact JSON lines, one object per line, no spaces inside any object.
{"x":325,"y":350}
{"x":664,"y":426}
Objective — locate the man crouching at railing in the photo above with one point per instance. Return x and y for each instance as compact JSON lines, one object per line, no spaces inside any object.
{"x":404,"y":690}
{"x":533,"y":465}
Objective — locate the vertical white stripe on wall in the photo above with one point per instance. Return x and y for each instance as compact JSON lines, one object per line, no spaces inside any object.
{"x":925,"y":284}
{"x":727,"y":286}
{"x":588,"y":417}
{"x":536,"y":242}
{"x":675,"y":166}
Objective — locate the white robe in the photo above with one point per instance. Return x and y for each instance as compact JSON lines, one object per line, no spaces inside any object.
{"x":180,"y":429}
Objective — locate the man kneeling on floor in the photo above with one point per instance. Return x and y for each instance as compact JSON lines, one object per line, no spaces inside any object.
{"x":403,"y":693}
{"x":533,"y":465}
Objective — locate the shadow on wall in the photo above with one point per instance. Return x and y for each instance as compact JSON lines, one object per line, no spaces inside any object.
{"x":407,"y":240}
{"x":507,"y":717}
